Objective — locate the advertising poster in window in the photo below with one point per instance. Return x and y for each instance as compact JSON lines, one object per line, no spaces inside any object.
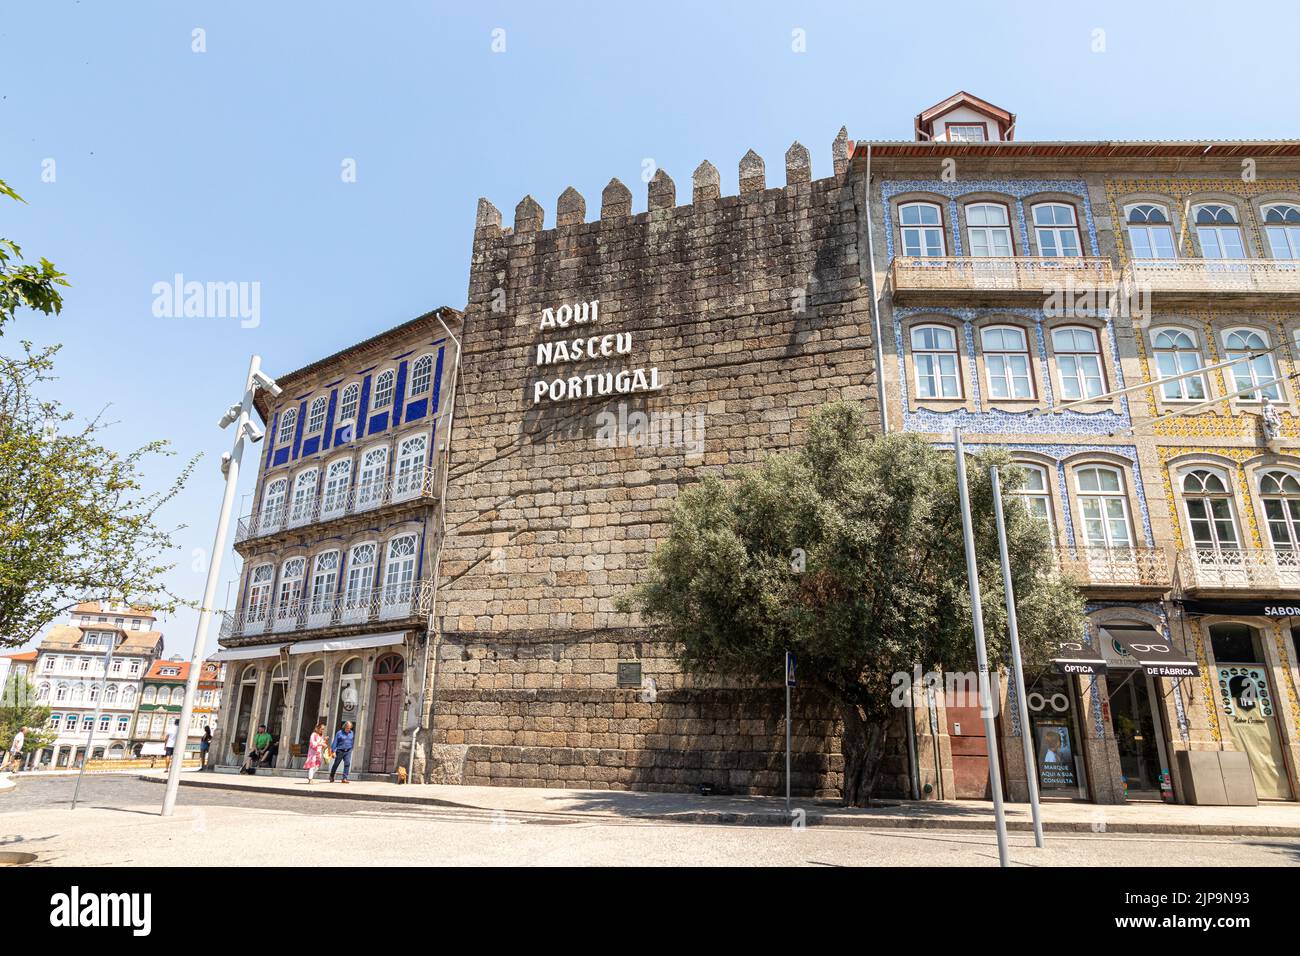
{"x":1055,"y":755}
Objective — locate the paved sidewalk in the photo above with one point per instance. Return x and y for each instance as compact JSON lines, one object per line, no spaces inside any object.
{"x":1273,"y":819}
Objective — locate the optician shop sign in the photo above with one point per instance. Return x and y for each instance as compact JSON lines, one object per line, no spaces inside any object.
{"x":589,"y":345}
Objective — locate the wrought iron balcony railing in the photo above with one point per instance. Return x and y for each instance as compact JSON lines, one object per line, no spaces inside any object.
{"x":327,"y":505}
{"x":369,"y":605}
{"x":1136,"y":567}
{"x":1021,"y":274}
{"x":1221,"y":569}
{"x":1270,"y":276}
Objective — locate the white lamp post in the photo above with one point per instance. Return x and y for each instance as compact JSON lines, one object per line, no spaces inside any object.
{"x":238,"y":415}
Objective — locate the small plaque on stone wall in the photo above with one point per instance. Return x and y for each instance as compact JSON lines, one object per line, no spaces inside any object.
{"x":629,"y":674}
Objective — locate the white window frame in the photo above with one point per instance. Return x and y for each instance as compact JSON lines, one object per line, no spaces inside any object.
{"x":1057,"y":231}
{"x":349,"y":402}
{"x":288,"y":424}
{"x":421,"y":376}
{"x":927,"y":364}
{"x":1262,"y":368}
{"x":1006,"y":375}
{"x":1104,"y":497}
{"x":1202,"y":497}
{"x":922,"y":231}
{"x":316,"y":412}
{"x":1213,"y":234}
{"x":1149,"y":229}
{"x":385,"y":389}
{"x":1175,"y":359}
{"x":989,"y":240}
{"x":1078,"y":375}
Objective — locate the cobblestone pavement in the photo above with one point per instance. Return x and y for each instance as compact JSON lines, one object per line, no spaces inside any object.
{"x":117,"y":823}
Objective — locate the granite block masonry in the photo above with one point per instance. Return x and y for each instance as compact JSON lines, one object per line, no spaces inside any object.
{"x":606,"y":366}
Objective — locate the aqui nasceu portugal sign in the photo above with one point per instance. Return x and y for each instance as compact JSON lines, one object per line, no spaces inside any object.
{"x":591,"y":346}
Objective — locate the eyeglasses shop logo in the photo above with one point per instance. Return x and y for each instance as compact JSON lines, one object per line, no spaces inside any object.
{"x":75,"y":909}
{"x":179,"y":299}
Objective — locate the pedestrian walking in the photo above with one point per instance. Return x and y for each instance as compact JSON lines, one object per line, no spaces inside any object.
{"x":171,"y":738}
{"x":13,"y":760}
{"x":315,"y":752}
{"x":342,"y":747}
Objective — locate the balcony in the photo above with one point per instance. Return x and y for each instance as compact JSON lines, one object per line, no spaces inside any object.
{"x":995,"y":280}
{"x":1264,"y":570}
{"x":414,"y":487}
{"x":371,"y":606}
{"x":1117,"y":569}
{"x":1232,"y":278}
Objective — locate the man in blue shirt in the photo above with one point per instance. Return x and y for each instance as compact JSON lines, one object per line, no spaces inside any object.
{"x":342,"y":747}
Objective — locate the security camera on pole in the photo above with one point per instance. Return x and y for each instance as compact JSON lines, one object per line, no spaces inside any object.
{"x":238,"y":415}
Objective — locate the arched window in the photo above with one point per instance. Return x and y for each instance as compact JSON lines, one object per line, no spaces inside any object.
{"x":1036,"y":495}
{"x":338,"y":482}
{"x":1280,"y":492}
{"x":150,"y":695}
{"x":1176,"y":352}
{"x":110,"y":695}
{"x":988,"y":227}
{"x":384,"y":385}
{"x":1006,"y":362}
{"x":1057,"y":230}
{"x":303,"y":507}
{"x":273,"y":504}
{"x":360,"y":578}
{"x":399,"y":569}
{"x":1209,"y":510}
{"x":95,"y":691}
{"x":1078,"y":362}
{"x":921,"y":224}
{"x":349,"y":403}
{"x":934,"y":356}
{"x":372,"y":482}
{"x":1104,"y":507}
{"x":316,"y":415}
{"x":1238,"y":343}
{"x":78,"y":692}
{"x":1217,"y":229}
{"x":348,"y":704}
{"x":409,"y":477}
{"x":43,"y":691}
{"x":260,"y":580}
{"x":1282,"y":229}
{"x":288,"y":421}
{"x":421,"y":375}
{"x":128,"y":695}
{"x":178,"y":695}
{"x":1149,"y":233}
{"x":324,"y":580}
{"x":290,"y":593}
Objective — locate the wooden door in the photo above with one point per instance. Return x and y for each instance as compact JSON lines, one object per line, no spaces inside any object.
{"x":388,"y":711}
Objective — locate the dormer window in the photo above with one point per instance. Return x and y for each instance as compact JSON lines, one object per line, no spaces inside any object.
{"x":966,"y":132}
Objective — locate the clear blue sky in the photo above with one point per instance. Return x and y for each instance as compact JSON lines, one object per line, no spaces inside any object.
{"x":226,"y":165}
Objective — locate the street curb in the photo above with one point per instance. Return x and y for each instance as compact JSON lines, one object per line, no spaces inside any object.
{"x":766,"y":818}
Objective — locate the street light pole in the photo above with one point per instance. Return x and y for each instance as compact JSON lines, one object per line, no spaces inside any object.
{"x":1017,"y":667}
{"x":981,"y":652}
{"x":240,"y":416}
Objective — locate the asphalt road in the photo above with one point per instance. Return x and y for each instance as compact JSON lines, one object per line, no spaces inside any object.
{"x":117,"y":823}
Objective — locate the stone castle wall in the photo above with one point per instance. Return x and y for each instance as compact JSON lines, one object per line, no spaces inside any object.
{"x":749,"y":312}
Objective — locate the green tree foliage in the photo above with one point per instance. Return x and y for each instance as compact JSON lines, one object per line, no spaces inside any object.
{"x":849,"y":553}
{"x":24,"y":285}
{"x":75,"y":523}
{"x":18,"y":708}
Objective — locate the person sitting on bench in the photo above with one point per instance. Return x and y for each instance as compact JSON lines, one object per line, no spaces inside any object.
{"x":260,"y":753}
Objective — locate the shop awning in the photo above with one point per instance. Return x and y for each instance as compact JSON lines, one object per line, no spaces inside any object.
{"x":1076,"y":657}
{"x":1150,"y":649}
{"x":348,"y":643}
{"x":246,"y":653}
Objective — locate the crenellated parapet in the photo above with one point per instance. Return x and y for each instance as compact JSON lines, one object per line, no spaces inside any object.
{"x":661,"y":192}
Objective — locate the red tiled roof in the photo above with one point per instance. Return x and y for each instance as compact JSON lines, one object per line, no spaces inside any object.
{"x":155,"y":671}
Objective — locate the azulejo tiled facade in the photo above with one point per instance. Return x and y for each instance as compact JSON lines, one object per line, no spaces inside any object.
{"x":969,"y":239}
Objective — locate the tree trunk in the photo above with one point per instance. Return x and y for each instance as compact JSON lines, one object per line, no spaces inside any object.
{"x":863,"y":746}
